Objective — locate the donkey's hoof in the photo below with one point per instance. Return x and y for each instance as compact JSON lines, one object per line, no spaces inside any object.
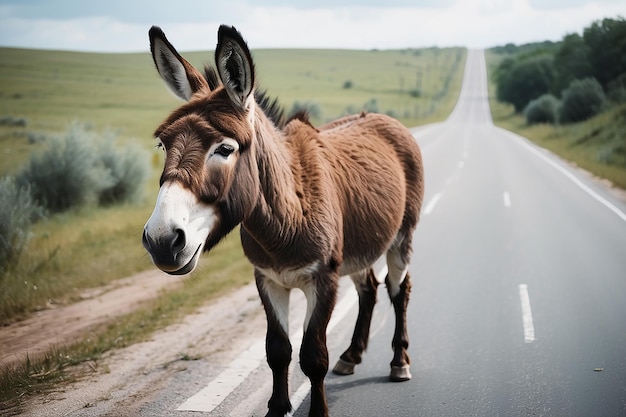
{"x":343,"y":368}
{"x":400,"y":373}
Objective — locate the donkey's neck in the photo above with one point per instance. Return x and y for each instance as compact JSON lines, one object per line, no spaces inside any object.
{"x":278,"y":211}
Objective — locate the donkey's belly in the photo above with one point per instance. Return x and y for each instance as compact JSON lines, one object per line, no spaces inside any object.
{"x":359,"y":257}
{"x":354,"y":265}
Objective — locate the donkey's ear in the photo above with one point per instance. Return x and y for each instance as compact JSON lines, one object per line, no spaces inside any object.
{"x":234,"y":65}
{"x":179,"y":75}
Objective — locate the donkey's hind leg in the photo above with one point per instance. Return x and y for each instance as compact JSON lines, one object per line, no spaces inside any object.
{"x":399,"y":287}
{"x":366,"y":285}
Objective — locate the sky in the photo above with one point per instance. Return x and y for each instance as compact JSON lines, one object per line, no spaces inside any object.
{"x":122,"y":25}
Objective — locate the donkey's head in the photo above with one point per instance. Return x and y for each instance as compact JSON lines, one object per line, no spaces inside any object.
{"x":207,"y":185}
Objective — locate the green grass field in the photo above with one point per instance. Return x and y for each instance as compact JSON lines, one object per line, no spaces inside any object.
{"x":47,"y":90}
{"x":123,"y":92}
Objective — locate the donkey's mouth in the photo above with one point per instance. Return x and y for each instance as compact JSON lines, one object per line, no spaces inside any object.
{"x":190,"y":266}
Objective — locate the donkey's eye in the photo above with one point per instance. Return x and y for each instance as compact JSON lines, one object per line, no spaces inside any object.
{"x":159,"y":145}
{"x":224,"y":150}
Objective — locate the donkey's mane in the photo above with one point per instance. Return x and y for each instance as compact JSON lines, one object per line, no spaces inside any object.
{"x":270,"y":106}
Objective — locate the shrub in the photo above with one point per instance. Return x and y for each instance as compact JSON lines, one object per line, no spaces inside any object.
{"x":17,"y":213}
{"x":82,"y":167}
{"x":65,"y":175}
{"x":13,"y":121}
{"x":348,"y":84}
{"x":371,"y":106}
{"x":545,"y":109}
{"x":581,"y":100}
{"x":616,"y":89}
{"x":312,"y":108}
{"x":127,"y":170}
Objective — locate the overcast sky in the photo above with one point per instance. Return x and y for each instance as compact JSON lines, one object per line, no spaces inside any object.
{"x":122,"y":25}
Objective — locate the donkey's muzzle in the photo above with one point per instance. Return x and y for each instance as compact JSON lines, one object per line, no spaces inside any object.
{"x":165,"y":251}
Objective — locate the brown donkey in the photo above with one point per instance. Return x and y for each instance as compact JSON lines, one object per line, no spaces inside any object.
{"x":313,"y":204}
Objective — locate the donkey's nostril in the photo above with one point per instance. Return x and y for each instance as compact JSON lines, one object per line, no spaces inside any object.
{"x":179,"y":242}
{"x":145,"y":240}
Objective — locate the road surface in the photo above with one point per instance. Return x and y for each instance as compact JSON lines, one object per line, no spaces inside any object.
{"x":518,"y":305}
{"x":519,"y":299}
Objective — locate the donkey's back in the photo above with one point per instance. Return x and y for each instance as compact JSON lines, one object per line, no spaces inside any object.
{"x":377,"y":168}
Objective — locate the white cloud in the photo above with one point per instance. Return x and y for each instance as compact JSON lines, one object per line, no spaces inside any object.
{"x":472,"y":23}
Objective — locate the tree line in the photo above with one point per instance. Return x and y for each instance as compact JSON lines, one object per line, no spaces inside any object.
{"x":566,"y":81}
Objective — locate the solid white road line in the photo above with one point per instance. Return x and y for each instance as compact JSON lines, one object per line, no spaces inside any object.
{"x":527,"y":315}
{"x":507,"y":199}
{"x":218,"y":389}
{"x":431,"y":204}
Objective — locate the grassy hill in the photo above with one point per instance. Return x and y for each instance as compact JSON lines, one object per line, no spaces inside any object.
{"x":49,"y":89}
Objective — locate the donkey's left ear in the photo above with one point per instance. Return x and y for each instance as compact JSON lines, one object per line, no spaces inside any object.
{"x":234,"y":65}
{"x":179,"y":75}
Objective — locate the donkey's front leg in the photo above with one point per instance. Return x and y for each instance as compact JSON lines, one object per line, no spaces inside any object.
{"x":321,"y":294}
{"x":277,"y":345}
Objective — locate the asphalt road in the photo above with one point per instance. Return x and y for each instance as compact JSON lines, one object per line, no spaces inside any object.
{"x":518,"y":305}
{"x":507,"y":230}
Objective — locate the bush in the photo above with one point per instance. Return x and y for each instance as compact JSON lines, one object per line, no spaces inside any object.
{"x":616,"y":89}
{"x":519,"y":82}
{"x":127,"y":170}
{"x":581,"y":100}
{"x":545,"y":109}
{"x":13,"y":121}
{"x":18,"y":211}
{"x":312,"y":108}
{"x":371,"y":106}
{"x":65,"y":175}
{"x":80,"y":168}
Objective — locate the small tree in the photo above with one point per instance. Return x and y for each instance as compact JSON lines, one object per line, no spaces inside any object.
{"x":571,"y":61}
{"x":581,"y":100}
{"x":518,"y":82}
{"x":545,"y":109}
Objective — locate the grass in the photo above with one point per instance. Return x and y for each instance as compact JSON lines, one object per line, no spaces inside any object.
{"x":597,"y":145}
{"x":42,"y":92}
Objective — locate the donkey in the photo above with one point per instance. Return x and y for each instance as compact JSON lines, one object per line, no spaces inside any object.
{"x":312,"y":205}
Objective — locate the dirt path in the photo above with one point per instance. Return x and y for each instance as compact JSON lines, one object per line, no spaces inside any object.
{"x":125,"y":379}
{"x":66,"y":324}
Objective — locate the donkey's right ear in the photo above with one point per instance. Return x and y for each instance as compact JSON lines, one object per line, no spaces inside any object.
{"x":179,"y":75}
